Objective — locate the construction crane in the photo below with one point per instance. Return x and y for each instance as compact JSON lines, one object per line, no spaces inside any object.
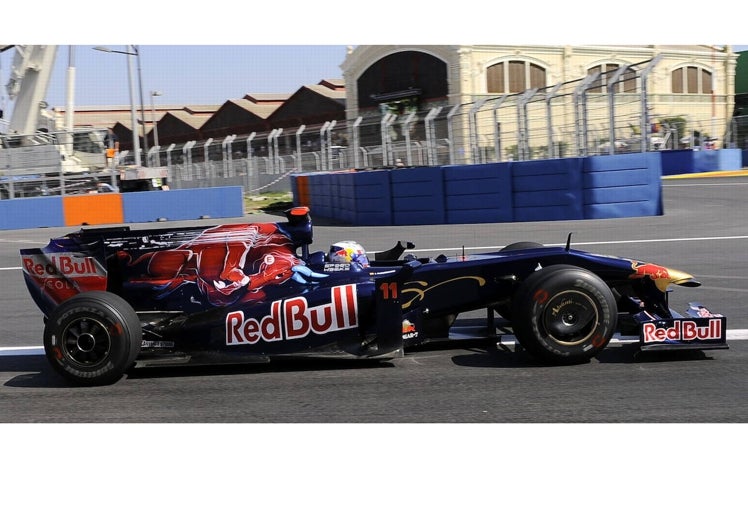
{"x":33,"y":150}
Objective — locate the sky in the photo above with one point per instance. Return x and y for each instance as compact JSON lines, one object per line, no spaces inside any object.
{"x":184,"y":74}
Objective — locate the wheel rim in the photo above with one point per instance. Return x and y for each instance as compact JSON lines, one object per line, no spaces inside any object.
{"x":570,"y":318}
{"x":86,"y":342}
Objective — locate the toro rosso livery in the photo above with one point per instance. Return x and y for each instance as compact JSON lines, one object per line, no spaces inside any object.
{"x":114,"y":298}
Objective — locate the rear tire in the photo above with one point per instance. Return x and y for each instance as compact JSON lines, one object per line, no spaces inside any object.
{"x":564,"y":314}
{"x":92,"y":338}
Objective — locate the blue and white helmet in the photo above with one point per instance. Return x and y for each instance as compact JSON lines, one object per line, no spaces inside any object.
{"x":348,"y":252}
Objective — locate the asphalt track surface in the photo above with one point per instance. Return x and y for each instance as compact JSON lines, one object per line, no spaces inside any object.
{"x":703,"y":232}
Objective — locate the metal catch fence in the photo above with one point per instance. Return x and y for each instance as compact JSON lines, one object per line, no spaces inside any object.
{"x":606,"y":113}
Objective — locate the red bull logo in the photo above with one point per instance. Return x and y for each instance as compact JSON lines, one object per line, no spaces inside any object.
{"x":653,"y":271}
{"x":683,"y":331}
{"x":61,"y":265}
{"x":62,"y":275}
{"x":662,"y":276}
{"x":293,"y":318}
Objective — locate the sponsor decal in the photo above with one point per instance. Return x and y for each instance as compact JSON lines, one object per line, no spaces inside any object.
{"x":62,"y":275}
{"x":409,"y":330}
{"x":157,"y":344}
{"x":294,"y":318}
{"x":683,"y":331}
{"x":61,"y":265}
{"x":645,"y":269}
{"x":330,"y":267}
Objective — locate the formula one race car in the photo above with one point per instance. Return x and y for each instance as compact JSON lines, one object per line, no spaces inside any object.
{"x":113,"y":298}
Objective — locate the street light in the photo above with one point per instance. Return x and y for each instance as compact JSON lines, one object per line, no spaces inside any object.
{"x":136,"y":143}
{"x":153,"y":117}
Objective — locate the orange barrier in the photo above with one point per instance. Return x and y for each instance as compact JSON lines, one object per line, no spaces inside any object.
{"x":93,"y":209}
{"x":302,"y":191}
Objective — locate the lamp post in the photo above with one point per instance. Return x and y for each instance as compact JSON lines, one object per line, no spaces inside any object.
{"x":153,"y":117}
{"x":136,"y":142}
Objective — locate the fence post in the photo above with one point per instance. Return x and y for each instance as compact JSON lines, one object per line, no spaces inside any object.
{"x":450,"y":132}
{"x":497,"y":127}
{"x":329,"y":144}
{"x":645,"y":110}
{"x":473,"y":129}
{"x":385,"y":123}
{"x":356,"y":141}
{"x":431,"y":153}
{"x":206,"y":158}
{"x":227,"y":152}
{"x":169,"y":169}
{"x":299,"y":131}
{"x":187,"y":160}
{"x":611,"y":108}
{"x":549,"y":96}
{"x":322,"y":145}
{"x":406,"y":132}
{"x":580,"y":113}
{"x":523,"y":146}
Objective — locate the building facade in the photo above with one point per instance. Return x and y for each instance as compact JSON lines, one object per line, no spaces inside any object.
{"x":694,"y":84}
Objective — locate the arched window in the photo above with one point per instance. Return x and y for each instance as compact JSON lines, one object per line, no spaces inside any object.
{"x":626,"y":84}
{"x":692,"y":79}
{"x":514,"y":76}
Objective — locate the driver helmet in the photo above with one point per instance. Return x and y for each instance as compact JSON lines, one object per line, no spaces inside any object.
{"x":348,"y":252}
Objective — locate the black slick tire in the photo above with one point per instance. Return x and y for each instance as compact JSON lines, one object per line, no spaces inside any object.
{"x":92,"y":338}
{"x":564,"y":314}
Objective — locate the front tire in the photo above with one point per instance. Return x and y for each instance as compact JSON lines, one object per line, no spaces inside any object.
{"x":92,"y":338}
{"x":564,"y":314}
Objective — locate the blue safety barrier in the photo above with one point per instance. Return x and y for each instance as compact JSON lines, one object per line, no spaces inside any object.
{"x":24,"y":213}
{"x":547,"y":190}
{"x":685,"y":161}
{"x":363,"y":198}
{"x":183,"y":204}
{"x":417,"y":196}
{"x":619,"y":186}
{"x":478,"y":193}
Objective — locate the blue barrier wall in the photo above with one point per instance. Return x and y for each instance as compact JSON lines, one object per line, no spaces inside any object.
{"x":559,"y":189}
{"x":676,"y":162}
{"x":148,"y":206}
{"x":183,"y":204}
{"x":417,"y":196}
{"x":686,"y":161}
{"x":620,"y":186}
{"x":717,"y":160}
{"x":547,"y":190}
{"x":364,"y":199}
{"x":23,"y":213}
{"x":479,"y":193}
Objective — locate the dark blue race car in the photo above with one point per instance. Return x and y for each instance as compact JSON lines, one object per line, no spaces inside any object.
{"x":114,"y":298}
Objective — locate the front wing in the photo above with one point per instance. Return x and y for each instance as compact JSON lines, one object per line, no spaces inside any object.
{"x":698,"y":330}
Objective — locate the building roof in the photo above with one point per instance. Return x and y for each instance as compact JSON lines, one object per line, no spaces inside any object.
{"x":261,"y":110}
{"x":267,"y":98}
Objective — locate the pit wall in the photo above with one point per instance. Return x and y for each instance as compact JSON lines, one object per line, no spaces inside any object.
{"x":118,"y":208}
{"x":615,"y":186}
